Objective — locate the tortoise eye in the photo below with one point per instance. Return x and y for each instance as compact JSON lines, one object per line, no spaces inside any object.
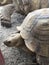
{"x":7,"y":42}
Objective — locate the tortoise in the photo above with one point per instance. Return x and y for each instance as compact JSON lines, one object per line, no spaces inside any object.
{"x":33,"y":33}
{"x":26,"y":6}
{"x":5,"y":14}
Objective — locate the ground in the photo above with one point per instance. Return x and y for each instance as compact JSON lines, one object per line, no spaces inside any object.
{"x":14,"y":56}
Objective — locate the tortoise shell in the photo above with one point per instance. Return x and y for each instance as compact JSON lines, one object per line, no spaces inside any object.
{"x":35,"y":31}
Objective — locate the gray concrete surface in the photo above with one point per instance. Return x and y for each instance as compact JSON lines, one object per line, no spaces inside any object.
{"x":13,"y":56}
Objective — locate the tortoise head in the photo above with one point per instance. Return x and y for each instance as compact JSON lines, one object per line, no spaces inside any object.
{"x":14,"y":41}
{"x":17,"y":41}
